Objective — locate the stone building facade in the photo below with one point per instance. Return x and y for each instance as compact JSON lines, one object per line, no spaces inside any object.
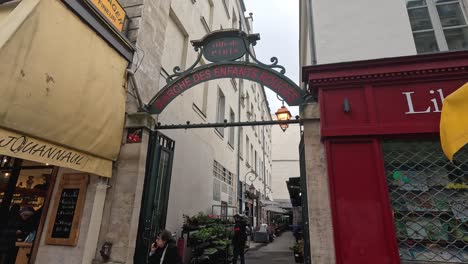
{"x":336,"y":32}
{"x":161,"y":32}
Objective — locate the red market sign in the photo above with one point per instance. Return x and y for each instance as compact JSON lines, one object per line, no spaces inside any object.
{"x":280,"y":84}
{"x":223,"y":48}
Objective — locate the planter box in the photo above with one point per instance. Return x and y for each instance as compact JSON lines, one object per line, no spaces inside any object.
{"x":299,"y":258}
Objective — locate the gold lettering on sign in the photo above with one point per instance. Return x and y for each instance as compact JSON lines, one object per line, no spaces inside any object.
{"x":112,"y":10}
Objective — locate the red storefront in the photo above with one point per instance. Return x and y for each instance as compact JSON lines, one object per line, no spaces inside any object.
{"x":395,"y":198}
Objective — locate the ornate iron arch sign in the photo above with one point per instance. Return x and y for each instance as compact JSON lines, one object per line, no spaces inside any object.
{"x":224,"y":48}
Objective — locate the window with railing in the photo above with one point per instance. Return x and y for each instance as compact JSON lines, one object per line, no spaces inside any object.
{"x":222,"y":182}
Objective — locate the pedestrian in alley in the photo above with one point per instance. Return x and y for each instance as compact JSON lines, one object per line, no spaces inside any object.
{"x":164,"y":250}
{"x":239,"y":239}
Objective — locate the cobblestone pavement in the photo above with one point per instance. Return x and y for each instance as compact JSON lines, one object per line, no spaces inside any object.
{"x":272,"y":253}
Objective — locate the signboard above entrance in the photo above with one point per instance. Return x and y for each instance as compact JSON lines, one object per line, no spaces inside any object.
{"x":223,"y":48}
{"x":112,"y":11}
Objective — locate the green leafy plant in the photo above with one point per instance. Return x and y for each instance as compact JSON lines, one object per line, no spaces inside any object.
{"x":203,"y":234}
{"x":210,"y":251}
{"x":298,"y":247}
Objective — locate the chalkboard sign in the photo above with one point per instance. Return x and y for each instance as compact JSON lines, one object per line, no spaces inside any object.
{"x":68,"y":205}
{"x":65,"y":213}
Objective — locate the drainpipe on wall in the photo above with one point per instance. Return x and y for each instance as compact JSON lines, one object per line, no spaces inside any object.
{"x":310,"y":18}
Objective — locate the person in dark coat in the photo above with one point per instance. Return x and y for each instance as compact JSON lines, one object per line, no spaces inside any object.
{"x":8,"y":249}
{"x":164,"y":250}
{"x":239,"y":239}
{"x":25,"y":224}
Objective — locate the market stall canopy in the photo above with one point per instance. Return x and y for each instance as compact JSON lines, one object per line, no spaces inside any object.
{"x":63,"y":88}
{"x":454,"y":122}
{"x":275,"y":209}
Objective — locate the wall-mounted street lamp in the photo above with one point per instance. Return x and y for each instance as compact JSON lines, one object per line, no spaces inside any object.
{"x":252,"y":188}
{"x":283,"y":114}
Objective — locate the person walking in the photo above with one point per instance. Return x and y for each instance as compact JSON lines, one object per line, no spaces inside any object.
{"x":164,"y":250}
{"x":239,"y":239}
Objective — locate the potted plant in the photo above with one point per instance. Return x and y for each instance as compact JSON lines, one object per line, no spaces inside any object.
{"x":298,"y":250}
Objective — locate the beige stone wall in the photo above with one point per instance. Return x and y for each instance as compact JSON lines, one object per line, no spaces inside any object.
{"x":148,"y":20}
{"x":320,"y":219}
{"x":56,"y":253}
{"x":161,"y":30}
{"x":122,"y":207}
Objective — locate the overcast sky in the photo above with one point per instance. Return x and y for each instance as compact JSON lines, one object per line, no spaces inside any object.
{"x":277,"y":22}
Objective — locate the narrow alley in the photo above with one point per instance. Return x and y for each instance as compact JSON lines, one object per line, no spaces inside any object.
{"x":276,"y":252}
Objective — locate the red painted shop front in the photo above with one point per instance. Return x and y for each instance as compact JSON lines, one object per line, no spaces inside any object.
{"x":395,"y":198}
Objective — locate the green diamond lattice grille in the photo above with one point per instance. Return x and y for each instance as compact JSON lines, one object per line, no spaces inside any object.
{"x":429,"y":198}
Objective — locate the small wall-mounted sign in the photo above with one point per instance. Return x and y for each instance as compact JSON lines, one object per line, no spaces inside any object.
{"x":112,"y":11}
{"x":224,"y":49}
{"x":134,"y":135}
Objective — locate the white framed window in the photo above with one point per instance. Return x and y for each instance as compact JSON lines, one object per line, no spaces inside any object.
{"x":251,"y":155}
{"x":211,"y":15}
{"x":220,"y":111}
{"x":216,"y":190}
{"x":222,"y":174}
{"x":256,"y":163}
{"x":232,"y":118}
{"x":251,"y":112}
{"x":438,"y":25}
{"x":231,"y":196}
{"x":200,"y":104}
{"x":241,"y":141}
{"x":226,"y":8}
{"x":247,"y":156}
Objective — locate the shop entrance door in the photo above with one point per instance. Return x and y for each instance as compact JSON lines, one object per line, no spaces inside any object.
{"x":25,"y":189}
{"x":155,"y":194}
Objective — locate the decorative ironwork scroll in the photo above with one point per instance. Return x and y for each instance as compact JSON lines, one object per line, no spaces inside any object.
{"x":224,"y":48}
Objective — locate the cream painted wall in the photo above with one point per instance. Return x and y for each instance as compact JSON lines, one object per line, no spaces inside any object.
{"x":360,"y":30}
{"x":196,"y":149}
{"x":285,"y":158}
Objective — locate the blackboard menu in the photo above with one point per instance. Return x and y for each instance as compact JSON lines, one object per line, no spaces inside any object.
{"x":68,"y":203}
{"x":65,"y":213}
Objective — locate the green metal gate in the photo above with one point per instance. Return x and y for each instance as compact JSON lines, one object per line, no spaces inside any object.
{"x":155,"y":194}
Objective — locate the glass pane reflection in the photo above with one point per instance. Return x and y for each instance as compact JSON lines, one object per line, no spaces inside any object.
{"x":451,"y":15}
{"x":425,"y":42}
{"x":457,"y":38}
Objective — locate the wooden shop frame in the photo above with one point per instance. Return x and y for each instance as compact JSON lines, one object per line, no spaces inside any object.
{"x":68,"y":181}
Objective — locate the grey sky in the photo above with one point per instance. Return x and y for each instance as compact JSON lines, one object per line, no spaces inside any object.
{"x":277,"y":22}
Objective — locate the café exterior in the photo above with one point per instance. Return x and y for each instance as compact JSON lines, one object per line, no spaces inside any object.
{"x":62,"y":111}
{"x":394,"y":196}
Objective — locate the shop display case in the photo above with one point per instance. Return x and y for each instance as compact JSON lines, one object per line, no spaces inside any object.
{"x":429,"y":198}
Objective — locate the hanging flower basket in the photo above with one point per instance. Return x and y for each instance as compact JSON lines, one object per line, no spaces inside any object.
{"x":250,"y":195}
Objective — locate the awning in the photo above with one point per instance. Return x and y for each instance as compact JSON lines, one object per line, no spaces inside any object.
{"x":275,"y":209}
{"x":454,"y":122}
{"x":62,"y":88}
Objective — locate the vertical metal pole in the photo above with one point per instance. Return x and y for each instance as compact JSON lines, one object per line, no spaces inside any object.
{"x":264,"y":167}
{"x":239,"y":185}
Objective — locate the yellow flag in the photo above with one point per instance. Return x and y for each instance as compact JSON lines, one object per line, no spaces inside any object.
{"x":454,"y":122}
